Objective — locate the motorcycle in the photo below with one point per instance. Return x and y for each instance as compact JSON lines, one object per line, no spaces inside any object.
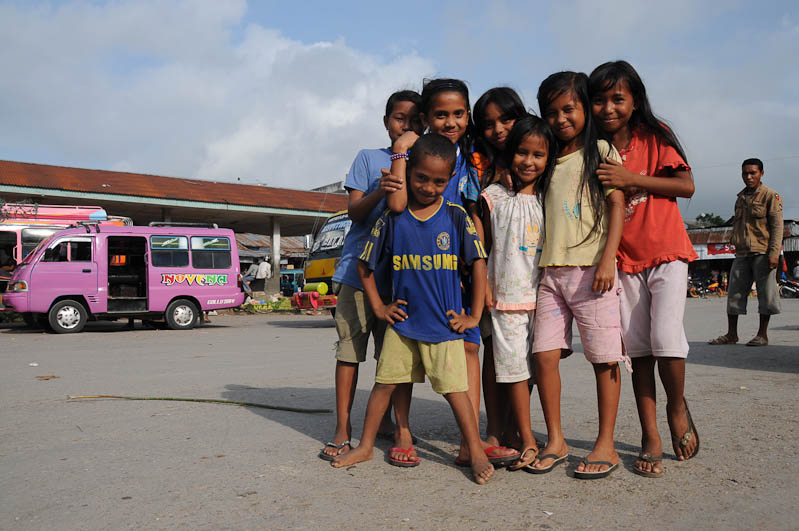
{"x":703,"y":288}
{"x":789,"y":289}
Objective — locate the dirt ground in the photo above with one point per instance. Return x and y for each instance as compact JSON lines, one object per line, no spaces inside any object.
{"x":112,"y":464}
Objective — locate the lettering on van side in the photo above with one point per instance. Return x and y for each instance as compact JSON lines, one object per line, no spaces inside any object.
{"x":200,"y":279}
{"x":220,"y":301}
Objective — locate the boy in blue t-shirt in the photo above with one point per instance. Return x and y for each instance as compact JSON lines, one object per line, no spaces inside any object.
{"x":425,"y":246}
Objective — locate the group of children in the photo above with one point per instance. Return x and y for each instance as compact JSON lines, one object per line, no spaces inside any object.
{"x":504,"y":225}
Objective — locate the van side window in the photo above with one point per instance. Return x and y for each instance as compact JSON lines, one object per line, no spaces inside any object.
{"x":169,"y":251}
{"x":210,"y":253}
{"x":70,"y":251}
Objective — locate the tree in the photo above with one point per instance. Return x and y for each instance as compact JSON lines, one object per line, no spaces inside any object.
{"x":709,"y":219}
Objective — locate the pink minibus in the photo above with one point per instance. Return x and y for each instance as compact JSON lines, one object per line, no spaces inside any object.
{"x":101,"y":272}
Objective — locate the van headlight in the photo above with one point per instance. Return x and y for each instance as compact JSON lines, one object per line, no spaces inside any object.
{"x":17,"y":286}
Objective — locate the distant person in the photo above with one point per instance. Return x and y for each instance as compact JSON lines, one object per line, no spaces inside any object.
{"x":264,"y":270}
{"x":249,"y":276}
{"x":757,"y":236}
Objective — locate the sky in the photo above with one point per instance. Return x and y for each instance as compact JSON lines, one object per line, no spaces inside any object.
{"x":285,"y":93}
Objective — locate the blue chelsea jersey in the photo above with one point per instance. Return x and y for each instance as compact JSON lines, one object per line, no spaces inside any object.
{"x":423,"y":257}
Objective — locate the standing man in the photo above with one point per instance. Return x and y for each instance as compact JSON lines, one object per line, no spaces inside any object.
{"x":757,"y":237}
{"x":264,"y":270}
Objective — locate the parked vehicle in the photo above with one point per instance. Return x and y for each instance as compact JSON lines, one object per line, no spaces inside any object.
{"x":99,"y":272}
{"x":789,"y":289}
{"x":703,"y":288}
{"x":24,"y":225}
{"x":324,"y":257}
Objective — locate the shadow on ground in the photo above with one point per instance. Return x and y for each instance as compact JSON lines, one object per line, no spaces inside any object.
{"x":432,"y":422}
{"x":299,"y":323}
{"x":773,"y":358}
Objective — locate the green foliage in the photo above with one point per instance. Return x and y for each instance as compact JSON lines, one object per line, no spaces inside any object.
{"x":709,"y":219}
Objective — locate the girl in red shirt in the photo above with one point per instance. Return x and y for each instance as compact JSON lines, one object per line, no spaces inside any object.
{"x":653,"y":254}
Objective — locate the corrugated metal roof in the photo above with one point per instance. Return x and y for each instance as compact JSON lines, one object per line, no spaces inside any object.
{"x":155,"y":186}
{"x":290,"y":246}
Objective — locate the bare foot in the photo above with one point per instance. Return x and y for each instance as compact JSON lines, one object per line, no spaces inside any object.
{"x":684,"y":439}
{"x":599,"y":454}
{"x":559,"y":448}
{"x":357,"y":455}
{"x":482,"y":470}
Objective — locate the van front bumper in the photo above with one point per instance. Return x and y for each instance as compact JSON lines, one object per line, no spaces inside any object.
{"x":17,"y":302}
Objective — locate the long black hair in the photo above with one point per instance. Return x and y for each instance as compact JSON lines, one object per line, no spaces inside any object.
{"x":430,"y":88}
{"x":511,"y":107}
{"x":535,"y":126}
{"x":576,"y":83}
{"x":608,"y":75}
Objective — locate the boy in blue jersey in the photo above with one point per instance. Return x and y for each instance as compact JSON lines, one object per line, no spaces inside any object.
{"x":426,"y":244}
{"x":371,"y":189}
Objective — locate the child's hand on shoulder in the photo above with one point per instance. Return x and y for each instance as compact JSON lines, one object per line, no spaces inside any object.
{"x":393,"y":313}
{"x":614,"y":174}
{"x":390,"y":183}
{"x":405,"y":141}
{"x":461,"y":322}
{"x":604,"y":276}
{"x":504,"y":178}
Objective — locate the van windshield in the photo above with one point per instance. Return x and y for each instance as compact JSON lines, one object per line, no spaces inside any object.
{"x":32,"y":238}
{"x":33,"y":247}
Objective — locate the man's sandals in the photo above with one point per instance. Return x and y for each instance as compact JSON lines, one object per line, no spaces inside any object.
{"x":722,"y":340}
{"x":338,"y":447}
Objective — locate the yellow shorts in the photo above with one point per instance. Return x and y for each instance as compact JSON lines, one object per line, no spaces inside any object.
{"x":406,"y":360}
{"x":355,"y":322}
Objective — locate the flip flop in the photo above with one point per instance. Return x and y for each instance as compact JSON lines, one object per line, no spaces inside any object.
{"x":496,"y":461}
{"x":522,"y":462}
{"x":683,"y":441}
{"x":722,"y":340}
{"x":558,"y":459}
{"x":757,"y":341}
{"x":401,"y":463}
{"x":651,"y":459}
{"x":338,"y":447}
{"x":596,"y":475}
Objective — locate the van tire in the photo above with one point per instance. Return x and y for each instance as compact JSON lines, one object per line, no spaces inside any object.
{"x":67,"y":317}
{"x":182,"y":314}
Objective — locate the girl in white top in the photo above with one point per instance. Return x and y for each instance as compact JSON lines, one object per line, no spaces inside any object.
{"x":514,"y":227}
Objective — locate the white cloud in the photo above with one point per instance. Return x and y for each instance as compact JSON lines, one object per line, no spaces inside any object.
{"x":181,"y":88}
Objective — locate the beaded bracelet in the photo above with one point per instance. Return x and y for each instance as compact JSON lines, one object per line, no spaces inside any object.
{"x":397,"y":156}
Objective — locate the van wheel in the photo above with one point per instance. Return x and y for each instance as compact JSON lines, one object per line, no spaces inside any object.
{"x":67,"y":317}
{"x":181,"y":315}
